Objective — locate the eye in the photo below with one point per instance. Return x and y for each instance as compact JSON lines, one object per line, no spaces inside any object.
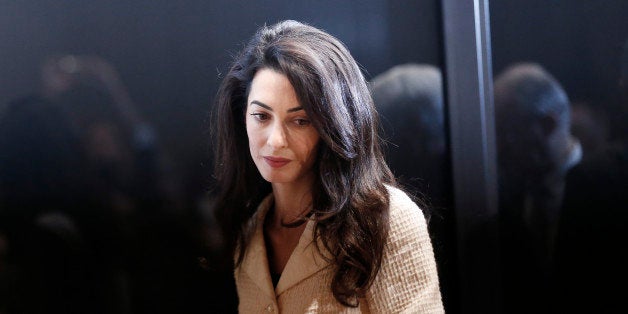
{"x":302,"y":121}
{"x":260,"y":116}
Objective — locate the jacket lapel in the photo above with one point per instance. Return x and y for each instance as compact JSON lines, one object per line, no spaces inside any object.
{"x":304,"y":262}
{"x":255,"y":262}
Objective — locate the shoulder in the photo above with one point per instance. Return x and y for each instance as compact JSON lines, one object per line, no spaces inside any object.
{"x":407,"y":280}
{"x":398,"y":196}
{"x":407,"y":225}
{"x":404,"y":212}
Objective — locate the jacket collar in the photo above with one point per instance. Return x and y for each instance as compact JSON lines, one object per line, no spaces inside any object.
{"x":304,"y":262}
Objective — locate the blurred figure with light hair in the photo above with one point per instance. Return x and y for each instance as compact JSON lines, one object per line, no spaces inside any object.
{"x":409,"y":98}
{"x":535,"y":151}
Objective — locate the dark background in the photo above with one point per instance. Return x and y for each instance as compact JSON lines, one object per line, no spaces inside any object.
{"x":171,"y":55}
{"x":579,"y":42}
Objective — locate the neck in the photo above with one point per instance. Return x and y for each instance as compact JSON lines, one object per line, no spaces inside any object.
{"x":291,"y":203}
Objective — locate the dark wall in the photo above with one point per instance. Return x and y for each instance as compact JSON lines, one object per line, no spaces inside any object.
{"x":560,"y":34}
{"x":171,"y":54}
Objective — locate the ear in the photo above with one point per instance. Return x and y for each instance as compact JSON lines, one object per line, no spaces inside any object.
{"x":548,"y":124}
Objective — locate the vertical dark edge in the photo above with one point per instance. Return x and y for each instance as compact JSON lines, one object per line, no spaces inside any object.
{"x":468,"y":79}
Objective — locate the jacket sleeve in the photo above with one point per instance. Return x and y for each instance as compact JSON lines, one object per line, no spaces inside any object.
{"x":407,"y":281}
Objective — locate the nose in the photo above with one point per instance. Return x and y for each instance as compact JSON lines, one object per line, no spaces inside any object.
{"x":277,"y":136}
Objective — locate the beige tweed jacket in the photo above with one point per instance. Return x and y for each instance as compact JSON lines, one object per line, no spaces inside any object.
{"x":406,"y":283}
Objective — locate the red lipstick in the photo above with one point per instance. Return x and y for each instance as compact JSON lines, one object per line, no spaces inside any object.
{"x":276,"y":162}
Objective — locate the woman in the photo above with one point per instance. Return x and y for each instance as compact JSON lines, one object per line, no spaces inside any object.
{"x":308,"y":204}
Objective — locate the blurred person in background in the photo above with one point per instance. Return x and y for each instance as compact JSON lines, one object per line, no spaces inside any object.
{"x":165,"y":232}
{"x":61,"y":244}
{"x":535,"y":152}
{"x":134,"y":222}
{"x":120,"y":143}
{"x":409,"y":98}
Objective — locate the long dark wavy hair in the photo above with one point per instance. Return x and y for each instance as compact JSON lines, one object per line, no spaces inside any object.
{"x":350,"y":201}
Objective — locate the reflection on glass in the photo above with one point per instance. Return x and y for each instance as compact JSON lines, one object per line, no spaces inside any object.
{"x":409,"y":98}
{"x":561,"y":231}
{"x":535,"y":151}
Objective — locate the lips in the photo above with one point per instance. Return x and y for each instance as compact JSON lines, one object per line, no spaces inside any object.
{"x":276,"y":162}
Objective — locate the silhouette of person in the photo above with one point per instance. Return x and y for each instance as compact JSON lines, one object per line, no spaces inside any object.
{"x":409,"y":98}
{"x":118,"y":140}
{"x":80,"y":147}
{"x":163,"y":230}
{"x":535,"y":151}
{"x":60,"y":241}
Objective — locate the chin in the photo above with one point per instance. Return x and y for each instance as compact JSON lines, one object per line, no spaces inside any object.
{"x":270,"y":176}
{"x":276,"y":179}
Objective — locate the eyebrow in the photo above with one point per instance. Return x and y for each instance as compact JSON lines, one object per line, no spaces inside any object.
{"x":263,"y":105}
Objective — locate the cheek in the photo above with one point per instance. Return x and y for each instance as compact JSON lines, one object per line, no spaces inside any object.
{"x":310,"y":148}
{"x":250,"y":134}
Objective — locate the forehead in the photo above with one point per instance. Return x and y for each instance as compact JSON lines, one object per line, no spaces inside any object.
{"x":273,"y":89}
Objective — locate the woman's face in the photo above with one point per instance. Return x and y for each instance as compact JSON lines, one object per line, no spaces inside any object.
{"x":282,"y":140}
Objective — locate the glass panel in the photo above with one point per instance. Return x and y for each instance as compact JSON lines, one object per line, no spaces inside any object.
{"x":105,"y":164}
{"x":560,"y":102}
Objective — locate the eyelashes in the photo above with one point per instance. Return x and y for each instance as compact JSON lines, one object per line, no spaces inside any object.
{"x":262,"y":117}
{"x":302,"y":122}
